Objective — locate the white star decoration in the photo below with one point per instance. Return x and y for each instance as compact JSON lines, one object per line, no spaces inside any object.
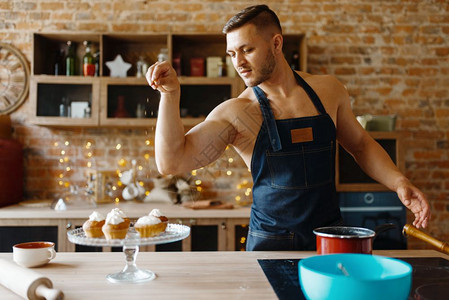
{"x":118,"y":67}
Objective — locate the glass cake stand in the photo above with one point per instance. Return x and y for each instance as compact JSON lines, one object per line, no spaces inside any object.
{"x":131,"y":273}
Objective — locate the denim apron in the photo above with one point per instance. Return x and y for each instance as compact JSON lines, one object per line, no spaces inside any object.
{"x":293,"y":170}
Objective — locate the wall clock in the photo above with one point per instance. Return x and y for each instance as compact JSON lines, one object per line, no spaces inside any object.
{"x":14,"y":78}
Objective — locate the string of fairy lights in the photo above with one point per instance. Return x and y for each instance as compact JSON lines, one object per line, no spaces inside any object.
{"x":64,"y":162}
{"x":145,"y":169}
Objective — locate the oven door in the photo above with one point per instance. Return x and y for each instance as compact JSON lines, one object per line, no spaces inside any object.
{"x":370,"y":210}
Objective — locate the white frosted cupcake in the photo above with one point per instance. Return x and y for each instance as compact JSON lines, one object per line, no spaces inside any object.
{"x":93,"y":227}
{"x":157,"y":213}
{"x":117,"y":211}
{"x":149,"y":226}
{"x":116,"y":225}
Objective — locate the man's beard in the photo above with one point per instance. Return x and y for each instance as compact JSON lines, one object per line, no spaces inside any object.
{"x":265,"y":71}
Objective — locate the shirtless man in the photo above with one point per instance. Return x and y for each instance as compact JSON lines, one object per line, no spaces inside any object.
{"x":284,"y":125}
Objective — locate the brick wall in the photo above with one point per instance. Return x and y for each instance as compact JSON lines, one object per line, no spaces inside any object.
{"x":393,"y":56}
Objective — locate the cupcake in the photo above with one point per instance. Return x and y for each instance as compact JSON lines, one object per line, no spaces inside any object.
{"x":157,"y":213}
{"x":93,"y":227}
{"x":116,"y":225}
{"x":119,"y":212}
{"x":149,"y":226}
{"x":152,"y":225}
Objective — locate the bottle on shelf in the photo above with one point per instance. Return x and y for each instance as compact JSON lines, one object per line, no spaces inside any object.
{"x":88,"y":61}
{"x":87,"y":112}
{"x":121,"y":111}
{"x":69,"y":108}
{"x":59,"y":62}
{"x":144,"y":68}
{"x":141,"y":67}
{"x":70,"y":59}
{"x":222,"y":70}
{"x":163,"y":55}
{"x":64,"y":108}
{"x":176,"y":62}
{"x":97,"y":63}
{"x":140,"y":110}
{"x":294,"y":63}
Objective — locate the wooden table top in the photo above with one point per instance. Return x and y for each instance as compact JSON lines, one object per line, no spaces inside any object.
{"x":183,"y":275}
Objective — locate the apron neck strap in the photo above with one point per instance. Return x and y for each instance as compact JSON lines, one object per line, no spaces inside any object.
{"x":312,"y":95}
{"x":269,"y":120}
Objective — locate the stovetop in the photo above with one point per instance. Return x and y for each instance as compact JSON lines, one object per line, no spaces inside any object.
{"x":430,"y":277}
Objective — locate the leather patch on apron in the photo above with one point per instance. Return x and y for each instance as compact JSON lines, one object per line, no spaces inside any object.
{"x":302,"y":135}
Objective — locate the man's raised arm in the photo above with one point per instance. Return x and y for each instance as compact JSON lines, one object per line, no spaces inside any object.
{"x":177,"y":152}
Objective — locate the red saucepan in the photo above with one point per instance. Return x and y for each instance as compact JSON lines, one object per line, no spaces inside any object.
{"x":343,"y":239}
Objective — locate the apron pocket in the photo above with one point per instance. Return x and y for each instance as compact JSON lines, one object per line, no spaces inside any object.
{"x":259,"y":240}
{"x":300,"y":169}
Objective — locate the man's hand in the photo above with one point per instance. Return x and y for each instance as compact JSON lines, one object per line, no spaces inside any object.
{"x":162,"y":77}
{"x":416,"y":201}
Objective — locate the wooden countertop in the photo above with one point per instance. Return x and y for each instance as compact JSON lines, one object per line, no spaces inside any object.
{"x":132,"y":209}
{"x":183,"y":275}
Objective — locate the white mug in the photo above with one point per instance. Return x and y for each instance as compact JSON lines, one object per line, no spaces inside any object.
{"x":33,"y":254}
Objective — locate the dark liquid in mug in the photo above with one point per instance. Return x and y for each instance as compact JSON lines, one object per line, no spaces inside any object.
{"x":34,"y":245}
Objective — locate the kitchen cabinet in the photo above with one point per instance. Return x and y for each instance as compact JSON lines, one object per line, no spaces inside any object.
{"x":12,"y":235}
{"x":129,"y":101}
{"x":212,"y":229}
{"x":49,"y":94}
{"x":135,"y":93}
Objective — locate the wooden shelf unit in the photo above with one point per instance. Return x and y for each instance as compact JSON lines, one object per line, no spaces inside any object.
{"x":47,"y":92}
{"x":131,"y":47}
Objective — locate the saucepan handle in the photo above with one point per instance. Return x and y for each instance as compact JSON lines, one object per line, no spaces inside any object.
{"x":384,"y":227}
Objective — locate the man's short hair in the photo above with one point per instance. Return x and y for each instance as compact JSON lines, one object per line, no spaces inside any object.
{"x":259,"y":15}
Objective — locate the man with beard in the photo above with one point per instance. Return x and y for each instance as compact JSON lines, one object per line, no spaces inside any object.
{"x":284,"y":125}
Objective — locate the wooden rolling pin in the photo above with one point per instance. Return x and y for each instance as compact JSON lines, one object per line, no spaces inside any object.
{"x":27,"y":283}
{"x":413,"y":231}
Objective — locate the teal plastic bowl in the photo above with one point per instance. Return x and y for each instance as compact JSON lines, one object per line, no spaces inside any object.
{"x":354,"y":276}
